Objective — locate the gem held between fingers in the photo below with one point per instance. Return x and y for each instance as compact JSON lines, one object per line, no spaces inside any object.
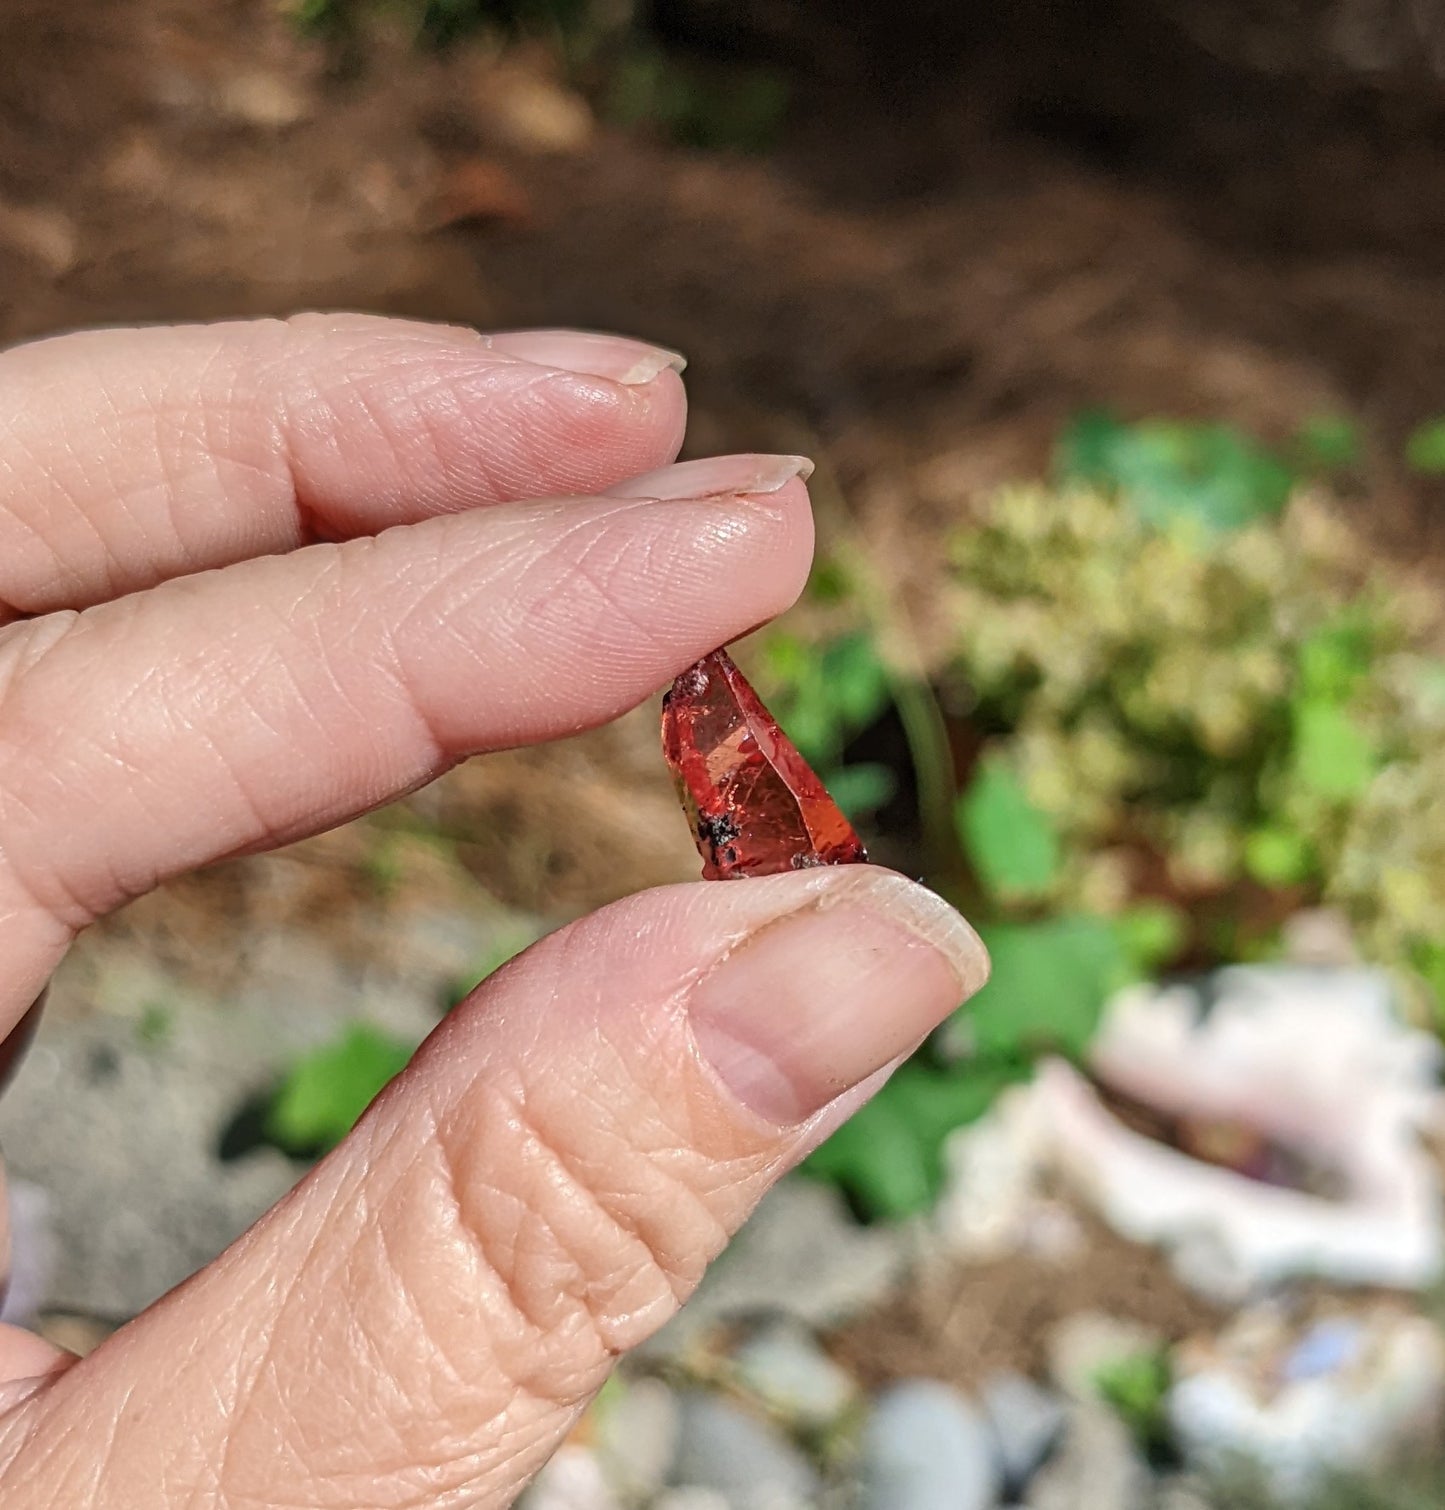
{"x":756,"y":806}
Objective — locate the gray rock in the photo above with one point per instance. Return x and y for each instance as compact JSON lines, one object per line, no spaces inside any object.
{"x":926,"y":1448}
{"x":1027,"y":1423}
{"x":637,"y":1433}
{"x":118,"y":1110}
{"x":1096,"y":1467}
{"x":801,"y":1254}
{"x":785,"y":1368}
{"x":751,"y":1464}
{"x":691,"y":1499}
{"x":571,"y":1480}
{"x":122,"y":1136}
{"x":1182,"y":1491}
{"x":33,"y":1254}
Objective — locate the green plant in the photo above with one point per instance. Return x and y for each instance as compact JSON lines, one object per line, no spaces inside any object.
{"x":1327,"y":444}
{"x":324,"y":1092}
{"x":824,"y":694}
{"x":1049,"y":983}
{"x":1013,"y":847}
{"x":1193,"y":713}
{"x":1137,"y":1387}
{"x":737,"y":109}
{"x":1425,"y":450}
{"x":1171,"y":470}
{"x":156,"y":1025}
{"x":637,"y":83}
{"x":887,"y":1158}
{"x":1191,"y":710}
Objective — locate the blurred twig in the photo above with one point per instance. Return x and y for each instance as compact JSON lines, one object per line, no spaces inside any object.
{"x":889,"y":620}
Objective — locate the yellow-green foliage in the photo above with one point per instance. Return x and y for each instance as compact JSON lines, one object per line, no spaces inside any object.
{"x":1243,"y":702}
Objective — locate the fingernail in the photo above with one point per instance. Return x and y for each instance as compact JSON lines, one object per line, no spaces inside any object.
{"x":716,"y":474}
{"x":623,"y":361}
{"x":817,"y":1000}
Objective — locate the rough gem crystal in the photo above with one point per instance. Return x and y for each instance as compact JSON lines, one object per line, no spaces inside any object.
{"x":755,"y":804}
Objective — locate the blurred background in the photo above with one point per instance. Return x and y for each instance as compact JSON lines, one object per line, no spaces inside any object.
{"x":1118,"y":333}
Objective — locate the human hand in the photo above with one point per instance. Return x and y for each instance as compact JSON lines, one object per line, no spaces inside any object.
{"x":258,"y":578}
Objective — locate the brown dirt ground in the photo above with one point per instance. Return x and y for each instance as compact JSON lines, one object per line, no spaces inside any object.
{"x":964,"y":1322}
{"x":950,"y":252}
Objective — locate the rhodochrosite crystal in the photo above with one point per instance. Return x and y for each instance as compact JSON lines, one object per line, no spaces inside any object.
{"x":755,"y":804}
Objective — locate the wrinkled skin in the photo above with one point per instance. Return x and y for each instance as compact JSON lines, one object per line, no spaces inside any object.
{"x":257,"y":578}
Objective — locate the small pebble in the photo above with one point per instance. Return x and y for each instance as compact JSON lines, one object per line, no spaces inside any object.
{"x":637,"y":1433}
{"x":1096,"y":1467}
{"x":802,"y":1254}
{"x":33,"y":1253}
{"x":1182,"y":1491}
{"x":571,"y":1480}
{"x":691,"y":1499}
{"x":1027,"y":1422}
{"x":747,"y":1461}
{"x":926,"y":1448}
{"x":788,"y":1371}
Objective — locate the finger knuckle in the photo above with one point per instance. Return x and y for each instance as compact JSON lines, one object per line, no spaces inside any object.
{"x":584,"y":1241}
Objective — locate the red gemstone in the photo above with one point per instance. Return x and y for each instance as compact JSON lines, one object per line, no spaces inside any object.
{"x":755,"y":804}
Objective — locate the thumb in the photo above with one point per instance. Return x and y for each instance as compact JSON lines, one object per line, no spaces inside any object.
{"x":423,"y":1318}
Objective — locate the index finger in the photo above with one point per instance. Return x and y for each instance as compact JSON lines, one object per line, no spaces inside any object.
{"x":131,"y":456}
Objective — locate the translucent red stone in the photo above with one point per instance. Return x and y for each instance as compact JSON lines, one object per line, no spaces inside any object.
{"x":755,"y":804}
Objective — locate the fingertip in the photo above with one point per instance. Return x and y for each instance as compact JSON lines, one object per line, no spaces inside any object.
{"x":434,"y":420}
{"x":590,"y":353}
{"x":801,"y":987}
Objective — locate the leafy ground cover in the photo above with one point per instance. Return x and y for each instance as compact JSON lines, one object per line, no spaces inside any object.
{"x":1178,"y":712}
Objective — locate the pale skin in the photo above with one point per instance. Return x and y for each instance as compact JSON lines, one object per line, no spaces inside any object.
{"x":258,"y":578}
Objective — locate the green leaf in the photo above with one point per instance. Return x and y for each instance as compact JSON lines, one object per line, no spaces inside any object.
{"x":1137,"y":1386}
{"x":811,"y":720}
{"x":856,"y":678}
{"x":1336,"y":657}
{"x":1049,"y":984}
{"x":156,"y":1024}
{"x":696,"y":107}
{"x":831,"y":582}
{"x":1329,"y":443}
{"x":1204,"y":473}
{"x":1278,"y":856}
{"x":1168,"y":471}
{"x":824,"y":694}
{"x":1012,"y":847}
{"x":1151,"y":935}
{"x":861,"y":789}
{"x":382,"y":864}
{"x":1429,"y":960}
{"x":325,"y":1092}
{"x":1332,"y":758}
{"x":1086,"y":450}
{"x":785,"y":656}
{"x":1425,"y":450}
{"x":879,"y":1160}
{"x":889,"y":1156}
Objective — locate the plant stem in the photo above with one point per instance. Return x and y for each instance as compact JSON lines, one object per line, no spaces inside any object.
{"x":928,"y":748}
